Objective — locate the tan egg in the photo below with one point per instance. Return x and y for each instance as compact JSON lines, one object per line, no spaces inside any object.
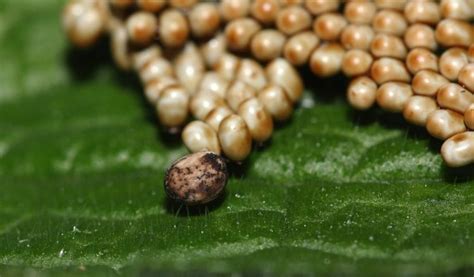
{"x":299,"y":47}
{"x":83,"y":23}
{"x":215,"y":117}
{"x":391,"y":4}
{"x":466,"y":77}
{"x":182,"y":4}
{"x":237,"y":93}
{"x":214,"y":83}
{"x":234,"y":137}
{"x":106,"y":12}
{"x":443,"y":124}
{"x":142,"y":58}
{"x":360,"y":12}
{"x":153,"y":6}
{"x":452,"y":32}
{"x":422,"y":12}
{"x":393,"y":96}
{"x":281,"y":72}
{"x":267,"y":44}
{"x":227,"y":66}
{"x":258,"y":120}
{"x":285,"y":3}
{"x":72,"y":11}
{"x":329,"y":26}
{"x":213,"y":50}
{"x":427,"y":82}
{"x":276,"y":102}
{"x":155,"y":87}
{"x":356,"y":62}
{"x":458,"y":150}
{"x":205,"y":19}
{"x":452,"y":61}
{"x":189,"y":68}
{"x":173,"y":28}
{"x":251,"y":73}
{"x":454,"y":97}
{"x":361,"y":93}
{"x":203,"y":103}
{"x":357,"y":37}
{"x":293,"y":19}
{"x":389,"y":69}
{"x":471,"y":4}
{"x":141,"y":27}
{"x":172,"y":106}
{"x":119,"y":47}
{"x":198,"y":136}
{"x":317,"y":7}
{"x":389,"y":22}
{"x":157,"y":67}
{"x":121,"y":4}
{"x":470,"y":53}
{"x":326,"y":60}
{"x":418,"y":108}
{"x":239,"y":33}
{"x":391,"y":46}
{"x":420,"y":59}
{"x":234,"y":9}
{"x":456,"y":9}
{"x":469,"y":117}
{"x":420,"y":35}
{"x":265,"y":11}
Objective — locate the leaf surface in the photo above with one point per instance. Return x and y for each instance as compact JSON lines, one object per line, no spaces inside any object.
{"x":82,"y":164}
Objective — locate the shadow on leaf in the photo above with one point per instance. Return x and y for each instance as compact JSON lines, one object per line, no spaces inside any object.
{"x":458,"y":175}
{"x":181,"y":210}
{"x":84,"y":64}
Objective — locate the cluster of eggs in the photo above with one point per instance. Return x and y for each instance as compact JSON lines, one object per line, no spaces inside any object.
{"x":189,"y":56}
{"x":233,"y":100}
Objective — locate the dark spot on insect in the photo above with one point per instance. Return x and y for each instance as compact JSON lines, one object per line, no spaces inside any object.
{"x":196,"y":178}
{"x":216,"y":162}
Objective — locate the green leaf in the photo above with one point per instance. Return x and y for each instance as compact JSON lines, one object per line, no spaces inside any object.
{"x":82,"y":163}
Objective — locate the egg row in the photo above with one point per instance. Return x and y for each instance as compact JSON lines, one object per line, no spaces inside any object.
{"x":294,"y":16}
{"x":422,"y":68}
{"x":244,"y":34}
{"x":85,"y":20}
{"x":329,"y":58}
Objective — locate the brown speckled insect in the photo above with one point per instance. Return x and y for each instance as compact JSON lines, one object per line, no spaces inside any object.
{"x":196,"y":178}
